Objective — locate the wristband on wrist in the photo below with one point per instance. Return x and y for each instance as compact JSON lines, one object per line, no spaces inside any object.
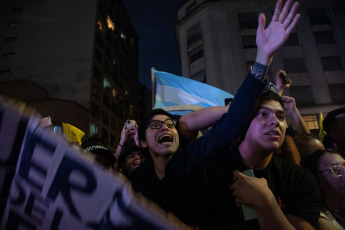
{"x":259,"y":71}
{"x":121,"y":145}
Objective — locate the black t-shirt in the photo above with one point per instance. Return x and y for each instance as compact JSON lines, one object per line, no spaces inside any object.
{"x":206,"y":200}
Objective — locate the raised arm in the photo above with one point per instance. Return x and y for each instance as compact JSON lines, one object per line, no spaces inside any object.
{"x":233,"y":124}
{"x":269,"y":40}
{"x":126,"y":134}
{"x":191,"y":123}
{"x":290,"y":107}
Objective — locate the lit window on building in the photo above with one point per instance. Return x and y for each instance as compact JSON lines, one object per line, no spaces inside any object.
{"x":100,"y":26}
{"x":126,"y":92}
{"x":311,"y":121}
{"x":114,"y":92}
{"x":106,"y":83}
{"x":110,"y":23}
{"x":123,"y":36}
{"x":93,"y":130}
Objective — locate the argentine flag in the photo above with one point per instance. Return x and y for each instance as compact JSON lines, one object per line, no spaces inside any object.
{"x":172,"y":91}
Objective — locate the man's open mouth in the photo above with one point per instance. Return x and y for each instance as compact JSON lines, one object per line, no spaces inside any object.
{"x":165,"y":138}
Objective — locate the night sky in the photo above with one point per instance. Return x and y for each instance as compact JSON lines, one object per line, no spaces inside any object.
{"x":154,"y":21}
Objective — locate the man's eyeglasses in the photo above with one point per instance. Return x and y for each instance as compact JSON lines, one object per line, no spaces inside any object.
{"x":157,"y":124}
{"x":337,"y":170}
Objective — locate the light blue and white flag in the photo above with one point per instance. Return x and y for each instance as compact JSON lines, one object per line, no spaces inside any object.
{"x":172,"y":91}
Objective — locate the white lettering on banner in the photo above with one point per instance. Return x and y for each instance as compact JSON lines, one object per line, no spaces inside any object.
{"x":34,"y":207}
{"x":55,"y":188}
{"x":64,"y":179}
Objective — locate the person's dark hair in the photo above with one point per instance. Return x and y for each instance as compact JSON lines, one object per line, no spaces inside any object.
{"x":97,"y":147}
{"x":328,"y":142}
{"x":329,"y":120}
{"x":146,"y":120}
{"x":268,"y":95}
{"x":129,"y":149}
{"x":312,"y":161}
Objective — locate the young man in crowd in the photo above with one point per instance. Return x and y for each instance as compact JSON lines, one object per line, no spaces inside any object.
{"x":282,"y":194}
{"x":159,"y":178}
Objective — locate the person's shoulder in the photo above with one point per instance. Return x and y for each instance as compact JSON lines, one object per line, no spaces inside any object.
{"x":291,"y":170}
{"x":218,"y":161}
{"x":144,"y":170}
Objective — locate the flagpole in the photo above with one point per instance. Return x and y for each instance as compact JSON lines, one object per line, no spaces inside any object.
{"x":153,"y":86}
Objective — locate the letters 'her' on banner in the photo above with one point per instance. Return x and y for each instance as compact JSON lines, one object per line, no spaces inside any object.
{"x":46,"y":183}
{"x":170,"y":90}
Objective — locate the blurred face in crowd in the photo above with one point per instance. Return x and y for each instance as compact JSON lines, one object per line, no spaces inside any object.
{"x":267,"y":129}
{"x":337,"y":133}
{"x":161,"y":136}
{"x":332,"y":173}
{"x":133,"y":161}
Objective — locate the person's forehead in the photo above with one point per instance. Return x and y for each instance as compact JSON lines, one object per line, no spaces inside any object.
{"x":330,"y":159}
{"x":135,"y":152}
{"x":271,"y":105}
{"x":160,"y":117}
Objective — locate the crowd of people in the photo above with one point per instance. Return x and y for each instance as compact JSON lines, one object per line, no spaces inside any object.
{"x":250,"y":169}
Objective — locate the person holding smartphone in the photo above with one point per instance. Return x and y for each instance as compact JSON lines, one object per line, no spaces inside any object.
{"x":129,"y":136}
{"x":160,"y":178}
{"x":283,"y":195}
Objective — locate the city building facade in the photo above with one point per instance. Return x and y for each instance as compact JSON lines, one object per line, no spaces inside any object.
{"x":216,"y":41}
{"x":82,"y":54}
